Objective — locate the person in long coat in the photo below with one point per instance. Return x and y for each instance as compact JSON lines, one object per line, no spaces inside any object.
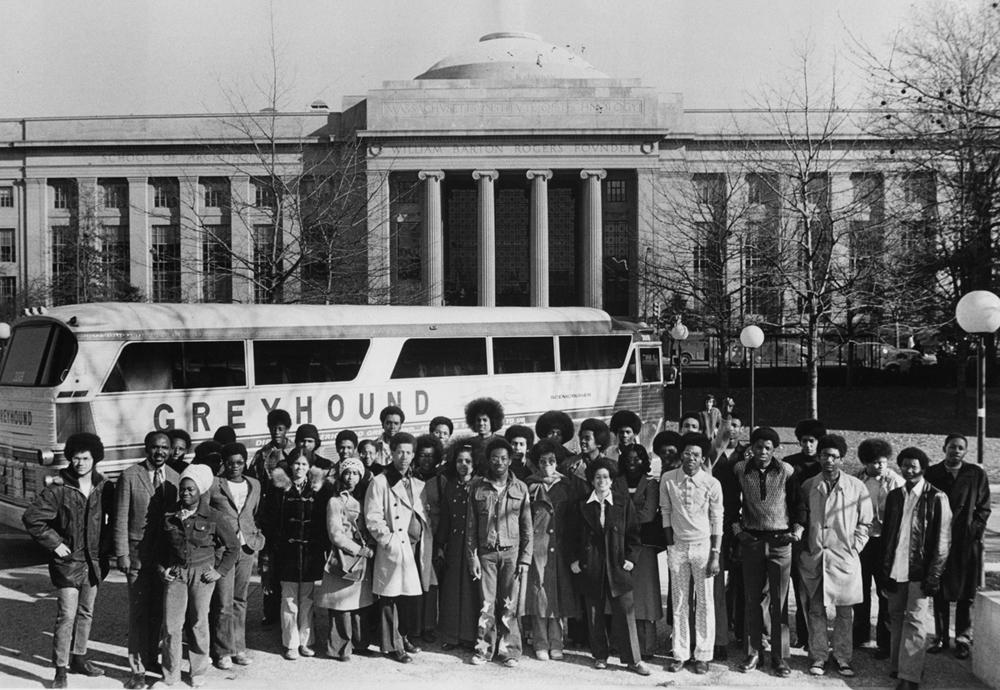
{"x":551,"y":596}
{"x":968,"y":491}
{"x":69,"y":518}
{"x":604,"y":554}
{"x":346,"y":589}
{"x":460,"y":595}
{"x":396,"y":517}
{"x":426,"y":463}
{"x":840,"y":513}
{"x":635,"y":484}
{"x":293,"y":522}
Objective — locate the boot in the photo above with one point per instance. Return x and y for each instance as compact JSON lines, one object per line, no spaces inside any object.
{"x":79,"y":664}
{"x":60,"y":679}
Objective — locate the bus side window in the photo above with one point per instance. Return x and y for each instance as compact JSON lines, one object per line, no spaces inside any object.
{"x":158,"y":366}
{"x":426,"y":357}
{"x":307,"y":361}
{"x":580,"y":352}
{"x":523,"y":355}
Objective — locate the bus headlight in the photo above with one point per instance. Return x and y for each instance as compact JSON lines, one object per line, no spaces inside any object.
{"x":46,"y":457}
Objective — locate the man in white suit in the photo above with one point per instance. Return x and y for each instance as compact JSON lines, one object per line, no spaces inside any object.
{"x":397,"y":519}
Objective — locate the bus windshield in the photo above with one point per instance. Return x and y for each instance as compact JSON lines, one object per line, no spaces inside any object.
{"x":39,"y":354}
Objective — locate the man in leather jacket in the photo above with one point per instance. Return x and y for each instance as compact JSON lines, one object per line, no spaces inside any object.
{"x":917,"y":533}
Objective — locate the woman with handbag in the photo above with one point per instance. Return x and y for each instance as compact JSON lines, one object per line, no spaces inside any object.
{"x":346,"y":589}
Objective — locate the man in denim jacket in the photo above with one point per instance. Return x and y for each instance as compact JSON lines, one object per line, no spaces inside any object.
{"x":498,"y":540}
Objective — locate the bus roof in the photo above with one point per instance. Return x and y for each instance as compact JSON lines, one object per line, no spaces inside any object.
{"x":142,"y":321}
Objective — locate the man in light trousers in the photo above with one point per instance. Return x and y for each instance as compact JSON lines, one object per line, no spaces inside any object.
{"x":691,"y":505}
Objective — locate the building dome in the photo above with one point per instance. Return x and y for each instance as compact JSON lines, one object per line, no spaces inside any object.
{"x":513,"y":55}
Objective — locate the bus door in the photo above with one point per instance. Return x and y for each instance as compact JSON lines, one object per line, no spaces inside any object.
{"x":642,"y":388}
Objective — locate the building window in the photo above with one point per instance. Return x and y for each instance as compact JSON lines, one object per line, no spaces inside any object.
{"x":113,"y":245}
{"x":6,"y":197}
{"x":267,"y":264}
{"x":615,"y":191}
{"x":8,"y":292}
{"x":114,"y":194}
{"x":215,"y":192}
{"x":264,"y":196}
{"x":164,"y":193}
{"x":217,"y":264}
{"x":166,"y":251}
{"x":920,"y":188}
{"x":64,"y":273}
{"x":62,"y":194}
{"x":7,"y":244}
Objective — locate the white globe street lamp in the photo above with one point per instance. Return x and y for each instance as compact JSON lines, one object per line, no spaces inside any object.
{"x":978,"y":313}
{"x":752,"y":337}
{"x":679,"y":332}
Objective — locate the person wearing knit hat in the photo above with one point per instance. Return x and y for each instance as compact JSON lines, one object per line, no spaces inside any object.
{"x":307,"y":440}
{"x":66,"y":518}
{"x":224,"y":435}
{"x":237,"y":497}
{"x":917,"y":531}
{"x":191,"y":536}
{"x":346,"y":588}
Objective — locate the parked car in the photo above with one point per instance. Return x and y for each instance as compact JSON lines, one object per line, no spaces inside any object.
{"x":902,"y":360}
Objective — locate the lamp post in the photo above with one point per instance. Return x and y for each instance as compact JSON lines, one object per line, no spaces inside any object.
{"x":752,"y":338}
{"x":978,"y":313}
{"x":679,"y":332}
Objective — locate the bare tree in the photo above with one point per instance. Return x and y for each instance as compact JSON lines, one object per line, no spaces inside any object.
{"x":940,"y":93}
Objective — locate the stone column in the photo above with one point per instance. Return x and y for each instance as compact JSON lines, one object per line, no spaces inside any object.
{"x":433,"y":265}
{"x":380,"y":269}
{"x":539,"y":238}
{"x":592,"y":270}
{"x":140,"y":270}
{"x":486,"y":263}
{"x":36,"y":258}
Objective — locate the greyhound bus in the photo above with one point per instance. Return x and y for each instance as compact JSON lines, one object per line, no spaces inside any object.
{"x":121,"y":370}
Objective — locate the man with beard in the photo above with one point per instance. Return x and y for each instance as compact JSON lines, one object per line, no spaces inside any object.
{"x":67,"y":518}
{"x":145,"y":490}
{"x":237,"y":498}
{"x":968,"y":491}
{"x":498,"y":538}
{"x":397,"y":518}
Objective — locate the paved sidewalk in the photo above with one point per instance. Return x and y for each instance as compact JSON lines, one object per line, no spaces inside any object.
{"x":27,"y":611}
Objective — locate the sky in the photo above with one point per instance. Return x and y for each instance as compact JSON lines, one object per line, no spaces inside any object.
{"x":116,"y":57}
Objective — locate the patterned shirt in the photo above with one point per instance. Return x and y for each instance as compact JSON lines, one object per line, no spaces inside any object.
{"x":771,"y":498}
{"x":691,"y":505}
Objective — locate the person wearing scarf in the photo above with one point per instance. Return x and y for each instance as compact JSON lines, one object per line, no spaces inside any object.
{"x":551,"y":595}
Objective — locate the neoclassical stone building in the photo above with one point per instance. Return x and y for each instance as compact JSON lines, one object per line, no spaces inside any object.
{"x":513,"y":173}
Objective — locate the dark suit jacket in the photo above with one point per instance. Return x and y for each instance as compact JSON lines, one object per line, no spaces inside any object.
{"x":244,"y":521}
{"x":602,"y":551}
{"x":139,"y":513}
{"x":930,"y":539}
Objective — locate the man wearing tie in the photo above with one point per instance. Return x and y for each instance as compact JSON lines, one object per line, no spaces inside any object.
{"x":144,"y":491}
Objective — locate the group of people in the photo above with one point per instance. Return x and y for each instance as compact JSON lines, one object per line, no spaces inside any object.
{"x":488,"y":541}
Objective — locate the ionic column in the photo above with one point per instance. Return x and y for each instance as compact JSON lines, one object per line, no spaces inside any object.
{"x":433,"y":267}
{"x":592,"y":274}
{"x":539,"y":238}
{"x":486,"y":263}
